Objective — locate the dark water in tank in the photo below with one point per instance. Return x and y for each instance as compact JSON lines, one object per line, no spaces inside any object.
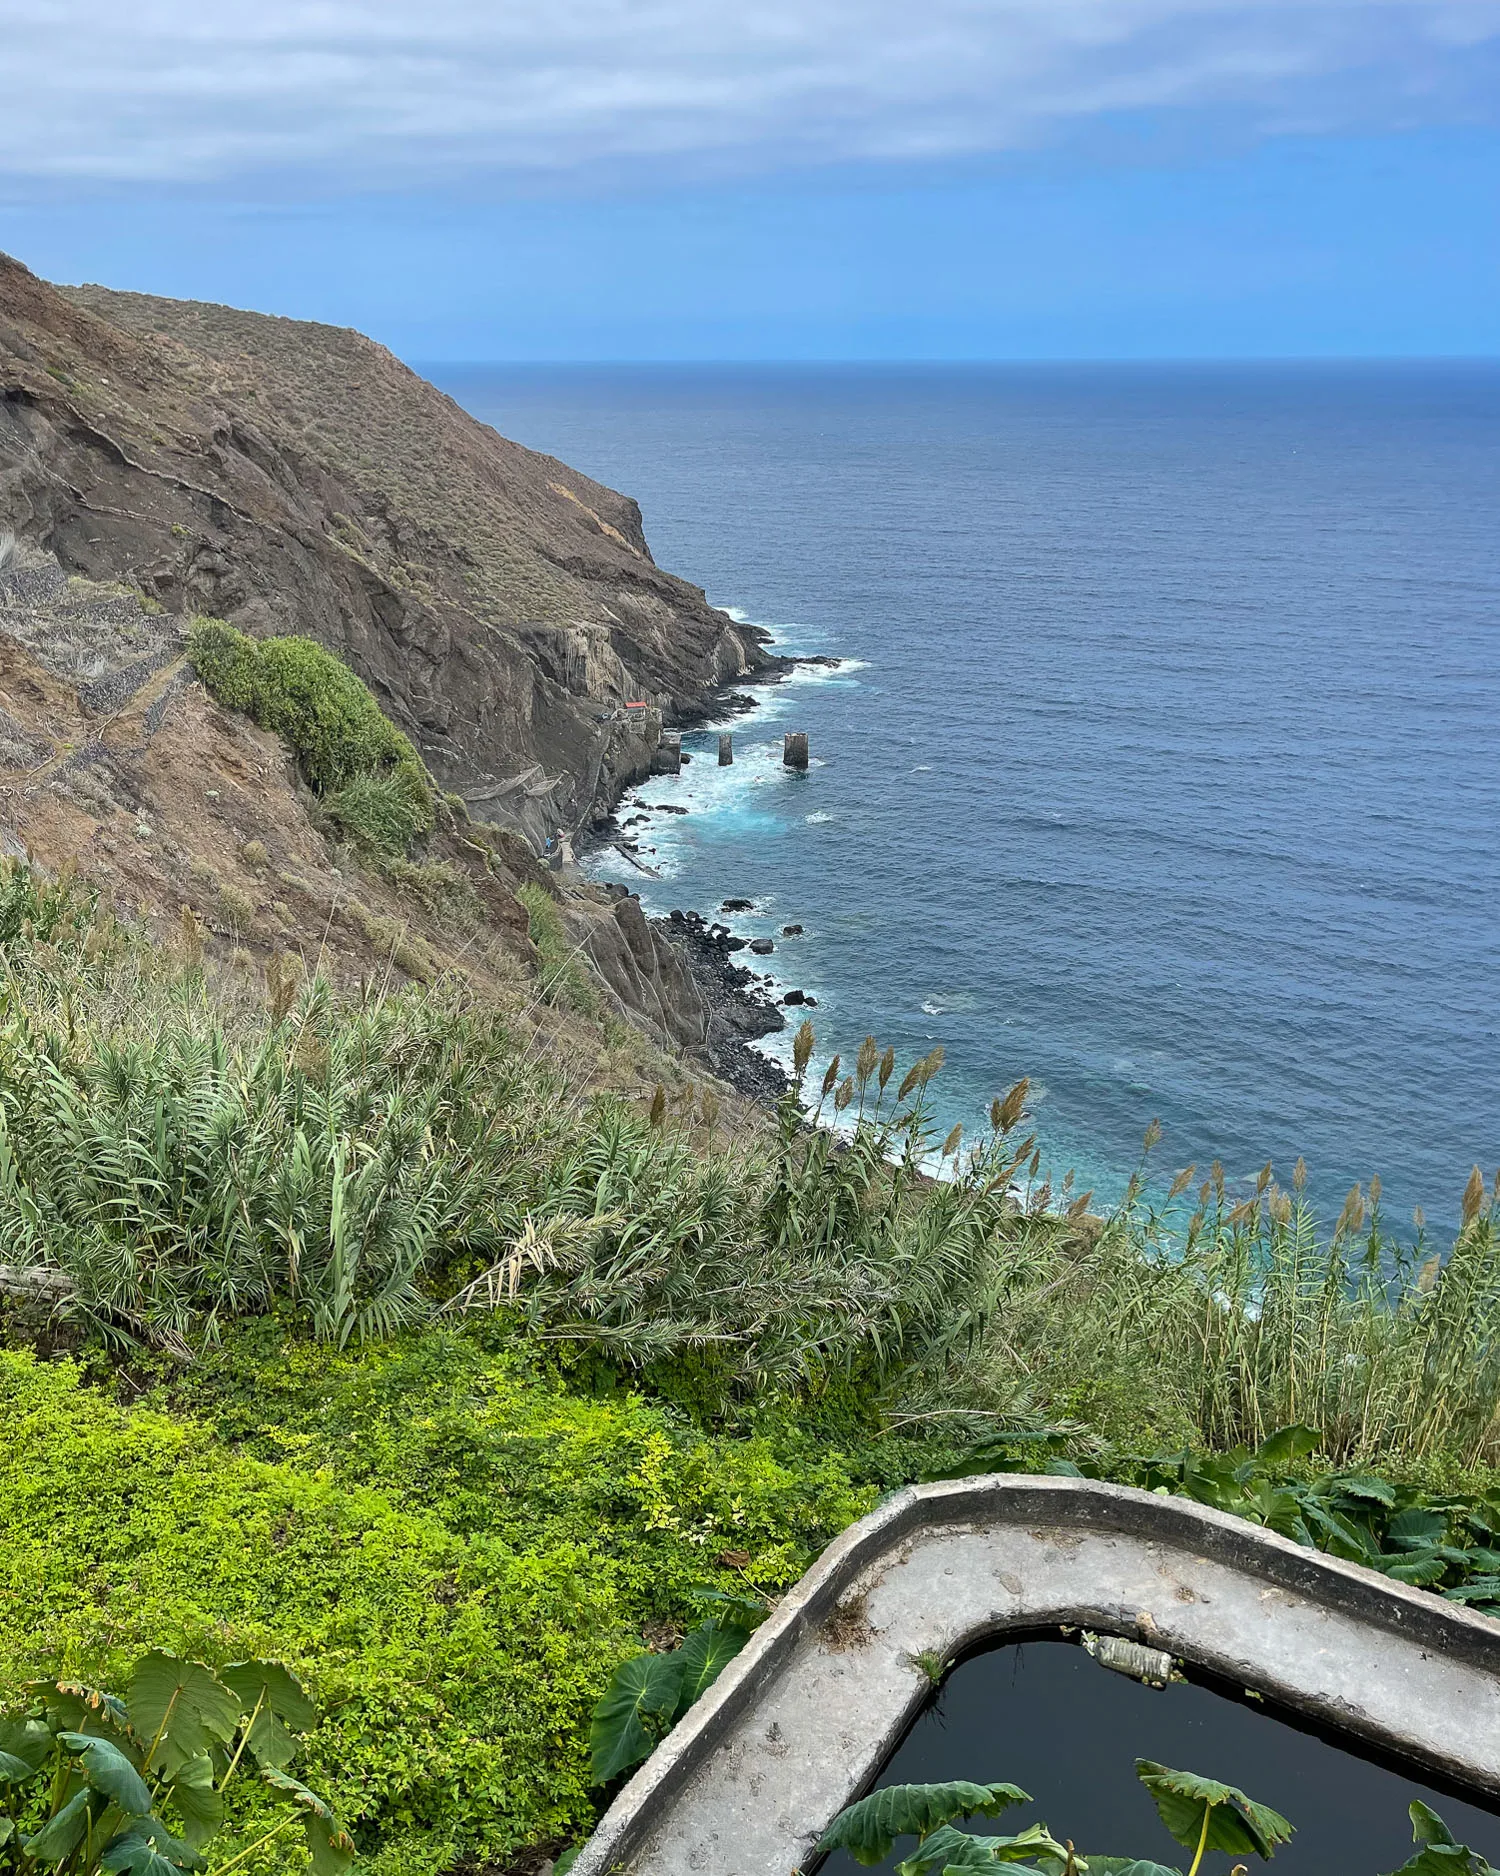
{"x":1165,"y":768}
{"x":1042,"y":1714}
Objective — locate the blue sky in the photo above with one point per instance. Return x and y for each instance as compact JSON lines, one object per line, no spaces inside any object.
{"x":594,"y":179}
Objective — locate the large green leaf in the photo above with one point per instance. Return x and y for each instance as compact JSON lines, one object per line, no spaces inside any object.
{"x":705,"y":1655}
{"x":1125,"y":1866}
{"x":637,"y":1708}
{"x":868,"y":1829}
{"x":181,"y":1706}
{"x":1416,"y":1529}
{"x":1235,"y":1823}
{"x":1289,"y":1443}
{"x":1345,"y":1538}
{"x":280,"y":1705}
{"x":947,"y":1849}
{"x":1365,"y":1486}
{"x":71,"y":1708}
{"x":1439,"y":1854}
{"x":61,"y":1835}
{"x":139,"y":1856}
{"x":23,"y":1743}
{"x":110,"y":1772}
{"x":1477,"y":1589}
{"x":328,"y":1844}
{"x":1420,"y":1567}
{"x":148,"y":1848}
{"x":197,"y":1803}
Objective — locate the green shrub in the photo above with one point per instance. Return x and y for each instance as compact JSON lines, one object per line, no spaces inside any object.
{"x":348,"y":748}
{"x":565,"y":980}
{"x":37,"y":910}
{"x":452,"y":1552}
{"x":386,"y":811}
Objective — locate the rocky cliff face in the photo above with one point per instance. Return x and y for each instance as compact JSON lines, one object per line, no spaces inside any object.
{"x":297,"y":477}
{"x":160,"y":459}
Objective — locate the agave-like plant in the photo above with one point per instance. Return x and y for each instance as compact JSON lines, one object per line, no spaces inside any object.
{"x":92,"y":1782}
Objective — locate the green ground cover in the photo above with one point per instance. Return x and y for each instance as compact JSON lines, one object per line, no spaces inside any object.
{"x":378,"y":1343}
{"x":451,"y":1548}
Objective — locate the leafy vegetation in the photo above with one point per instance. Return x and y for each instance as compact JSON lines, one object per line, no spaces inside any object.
{"x":462,"y":1378}
{"x":1449,"y":1541}
{"x":1213,"y":1323}
{"x":92,"y":1782}
{"x":563,"y":977}
{"x":349,"y":750}
{"x":1202,"y":1814}
{"x":650,"y":1693}
{"x":451,"y":1546}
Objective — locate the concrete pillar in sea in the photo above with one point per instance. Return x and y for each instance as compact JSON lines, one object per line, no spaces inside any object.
{"x":726,"y":749}
{"x":668,"y":757}
{"x":794,"y":751}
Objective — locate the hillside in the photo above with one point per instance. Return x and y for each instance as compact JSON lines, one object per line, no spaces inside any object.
{"x":296,"y":477}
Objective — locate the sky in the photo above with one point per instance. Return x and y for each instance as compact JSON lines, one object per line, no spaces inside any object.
{"x":776,"y":179}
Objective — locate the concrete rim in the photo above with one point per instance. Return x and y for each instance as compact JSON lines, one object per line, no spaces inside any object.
{"x":1441,"y":1630}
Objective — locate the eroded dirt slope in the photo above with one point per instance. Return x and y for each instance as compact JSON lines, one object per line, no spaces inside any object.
{"x":297,"y":477}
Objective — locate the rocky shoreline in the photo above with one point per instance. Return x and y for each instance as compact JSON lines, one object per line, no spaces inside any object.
{"x":740,"y":1008}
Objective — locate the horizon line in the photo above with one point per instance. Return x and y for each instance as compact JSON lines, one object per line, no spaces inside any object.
{"x":966,"y":360}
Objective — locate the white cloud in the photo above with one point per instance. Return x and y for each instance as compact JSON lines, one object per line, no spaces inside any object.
{"x":354,"y":93}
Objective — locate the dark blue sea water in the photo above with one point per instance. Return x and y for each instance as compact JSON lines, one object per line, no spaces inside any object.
{"x":1166,"y":765}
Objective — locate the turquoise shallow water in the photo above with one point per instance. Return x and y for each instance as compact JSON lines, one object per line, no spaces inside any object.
{"x":1165,"y":766}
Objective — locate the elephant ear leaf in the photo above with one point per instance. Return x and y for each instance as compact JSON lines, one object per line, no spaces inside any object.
{"x":180,"y":1709}
{"x":1287,"y":1444}
{"x":109,"y":1772}
{"x":1236,"y":1824}
{"x":868,"y":1829}
{"x":148,"y":1848}
{"x":638,"y":1706}
{"x":277,"y":1699}
{"x":24,"y":1746}
{"x":74,"y":1709}
{"x":1427,"y":1826}
{"x":948,"y":1850}
{"x":1127,"y":1866}
{"x":1440,"y":1854}
{"x":61,"y":1835}
{"x":704,"y":1656}
{"x":197,"y":1803}
{"x":328,"y":1844}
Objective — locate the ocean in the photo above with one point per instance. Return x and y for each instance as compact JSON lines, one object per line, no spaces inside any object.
{"x":1163,"y":765}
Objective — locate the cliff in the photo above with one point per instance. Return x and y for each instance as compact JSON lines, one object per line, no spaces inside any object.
{"x":297,"y":477}
{"x":159,"y":460}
